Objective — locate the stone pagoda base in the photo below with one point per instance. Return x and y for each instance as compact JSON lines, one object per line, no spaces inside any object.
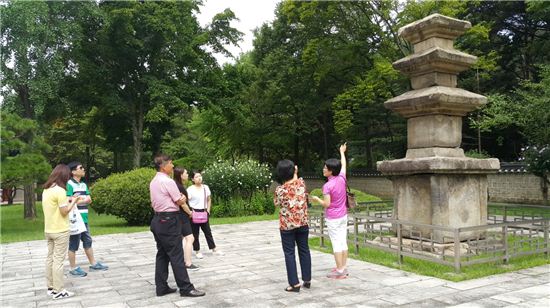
{"x":440,"y":191}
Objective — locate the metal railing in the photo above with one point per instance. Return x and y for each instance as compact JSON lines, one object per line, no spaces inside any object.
{"x":511,"y":232}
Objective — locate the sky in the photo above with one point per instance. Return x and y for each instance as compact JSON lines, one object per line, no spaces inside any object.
{"x":251,"y":14}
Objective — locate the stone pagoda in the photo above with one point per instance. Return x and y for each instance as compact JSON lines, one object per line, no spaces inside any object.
{"x":435,"y":184}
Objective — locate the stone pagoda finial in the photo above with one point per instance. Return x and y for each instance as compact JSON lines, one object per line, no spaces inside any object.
{"x":435,"y":107}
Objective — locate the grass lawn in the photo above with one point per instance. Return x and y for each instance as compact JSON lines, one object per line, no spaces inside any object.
{"x":13,"y":228}
{"x":519,"y":210}
{"x":434,"y":269}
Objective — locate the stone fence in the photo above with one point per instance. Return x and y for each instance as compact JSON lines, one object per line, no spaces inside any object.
{"x":509,"y":185}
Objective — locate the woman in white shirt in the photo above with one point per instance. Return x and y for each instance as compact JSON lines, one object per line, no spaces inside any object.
{"x":199,"y":201}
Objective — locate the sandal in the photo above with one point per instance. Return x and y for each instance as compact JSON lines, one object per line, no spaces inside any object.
{"x":307,"y":284}
{"x":293,"y":288}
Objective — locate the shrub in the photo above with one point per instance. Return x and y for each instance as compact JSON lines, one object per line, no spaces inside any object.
{"x":125,"y":195}
{"x":359,"y":195}
{"x":240,"y":179}
{"x":258,"y":204}
{"x":476,"y":154}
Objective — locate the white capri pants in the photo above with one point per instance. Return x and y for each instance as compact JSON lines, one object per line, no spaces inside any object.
{"x":338,"y":233}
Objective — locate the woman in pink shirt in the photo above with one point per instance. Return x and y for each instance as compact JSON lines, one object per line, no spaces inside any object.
{"x":336,"y":212}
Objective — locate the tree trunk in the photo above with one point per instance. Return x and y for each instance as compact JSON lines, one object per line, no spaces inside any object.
{"x":115,"y":160}
{"x":368,"y":149}
{"x":479,"y":140}
{"x":325,"y":136}
{"x":89,"y":163}
{"x":28,"y":109}
{"x":544,"y":187}
{"x":29,"y":202}
{"x":8,"y":194}
{"x":296,"y":149}
{"x":137,"y":134}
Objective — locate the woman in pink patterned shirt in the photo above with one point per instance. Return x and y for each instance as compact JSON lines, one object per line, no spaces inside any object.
{"x":291,"y":197}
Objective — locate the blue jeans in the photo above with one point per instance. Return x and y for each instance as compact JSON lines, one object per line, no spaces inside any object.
{"x":290,"y":239}
{"x":85,"y":237}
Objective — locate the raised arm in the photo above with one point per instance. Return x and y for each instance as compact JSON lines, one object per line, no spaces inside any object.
{"x":343,"y":149}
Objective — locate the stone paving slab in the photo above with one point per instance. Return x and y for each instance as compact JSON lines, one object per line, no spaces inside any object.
{"x":251,"y":274}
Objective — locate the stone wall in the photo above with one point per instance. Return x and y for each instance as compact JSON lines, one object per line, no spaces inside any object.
{"x":515,"y":188}
{"x":503,"y":187}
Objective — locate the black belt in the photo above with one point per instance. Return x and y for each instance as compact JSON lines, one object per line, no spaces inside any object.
{"x":167,"y":213}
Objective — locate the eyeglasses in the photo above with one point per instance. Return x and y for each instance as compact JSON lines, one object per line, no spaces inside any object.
{"x":80,"y":168}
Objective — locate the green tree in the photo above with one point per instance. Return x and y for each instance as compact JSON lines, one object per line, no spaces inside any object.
{"x":310,"y":63}
{"x":23,"y":162}
{"x":80,"y":137}
{"x":36,"y":39}
{"x":154,"y":53}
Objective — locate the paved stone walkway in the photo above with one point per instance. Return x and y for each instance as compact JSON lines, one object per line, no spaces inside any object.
{"x":252,"y":274}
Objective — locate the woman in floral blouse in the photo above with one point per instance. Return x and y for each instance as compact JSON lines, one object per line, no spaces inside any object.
{"x":291,"y":198}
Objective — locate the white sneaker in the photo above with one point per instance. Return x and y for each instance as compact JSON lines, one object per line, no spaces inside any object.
{"x":199,"y":255}
{"x":51,"y":292}
{"x":62,"y":294}
{"x":217,"y":253}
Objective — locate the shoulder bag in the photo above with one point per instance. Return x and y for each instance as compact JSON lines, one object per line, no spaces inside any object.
{"x":201,"y":217}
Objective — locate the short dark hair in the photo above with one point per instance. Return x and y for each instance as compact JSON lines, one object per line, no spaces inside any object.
{"x":334,"y":165}
{"x":193,"y":172}
{"x":160,"y":160}
{"x":72,"y":165}
{"x":285,"y":170}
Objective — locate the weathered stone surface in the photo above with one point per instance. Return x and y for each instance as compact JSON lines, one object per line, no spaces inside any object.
{"x":433,"y":42}
{"x":445,"y":165}
{"x":435,"y":60}
{"x":435,"y":100}
{"x":433,"y":79}
{"x":434,"y":152}
{"x":434,"y":131}
{"x":435,"y":25}
{"x":443,"y":200}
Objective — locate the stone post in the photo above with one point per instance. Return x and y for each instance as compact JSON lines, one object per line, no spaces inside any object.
{"x":435,"y":183}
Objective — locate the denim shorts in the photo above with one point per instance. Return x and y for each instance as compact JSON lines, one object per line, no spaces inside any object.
{"x":74,"y":240}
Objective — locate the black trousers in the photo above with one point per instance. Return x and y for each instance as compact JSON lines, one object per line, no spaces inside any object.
{"x":167,"y":231}
{"x":207,"y":233}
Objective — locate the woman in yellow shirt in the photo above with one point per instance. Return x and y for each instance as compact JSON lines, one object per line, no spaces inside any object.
{"x":56,"y":228}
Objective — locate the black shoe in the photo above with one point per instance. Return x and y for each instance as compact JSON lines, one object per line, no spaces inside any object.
{"x":293,"y":288}
{"x":166,"y":291}
{"x":307,"y":284}
{"x":193,"y":293}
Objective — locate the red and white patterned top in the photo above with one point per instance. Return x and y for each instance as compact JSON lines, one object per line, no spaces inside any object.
{"x":291,"y":197}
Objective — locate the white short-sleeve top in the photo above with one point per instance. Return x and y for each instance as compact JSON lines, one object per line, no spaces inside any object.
{"x":197,"y":196}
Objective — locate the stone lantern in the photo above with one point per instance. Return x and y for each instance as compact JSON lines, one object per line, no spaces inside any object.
{"x":435,"y":183}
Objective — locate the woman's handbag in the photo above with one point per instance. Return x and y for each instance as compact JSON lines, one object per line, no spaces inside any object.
{"x":200,"y":217}
{"x":350,"y":198}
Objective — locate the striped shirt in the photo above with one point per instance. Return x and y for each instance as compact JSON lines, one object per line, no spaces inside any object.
{"x":76,"y":188}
